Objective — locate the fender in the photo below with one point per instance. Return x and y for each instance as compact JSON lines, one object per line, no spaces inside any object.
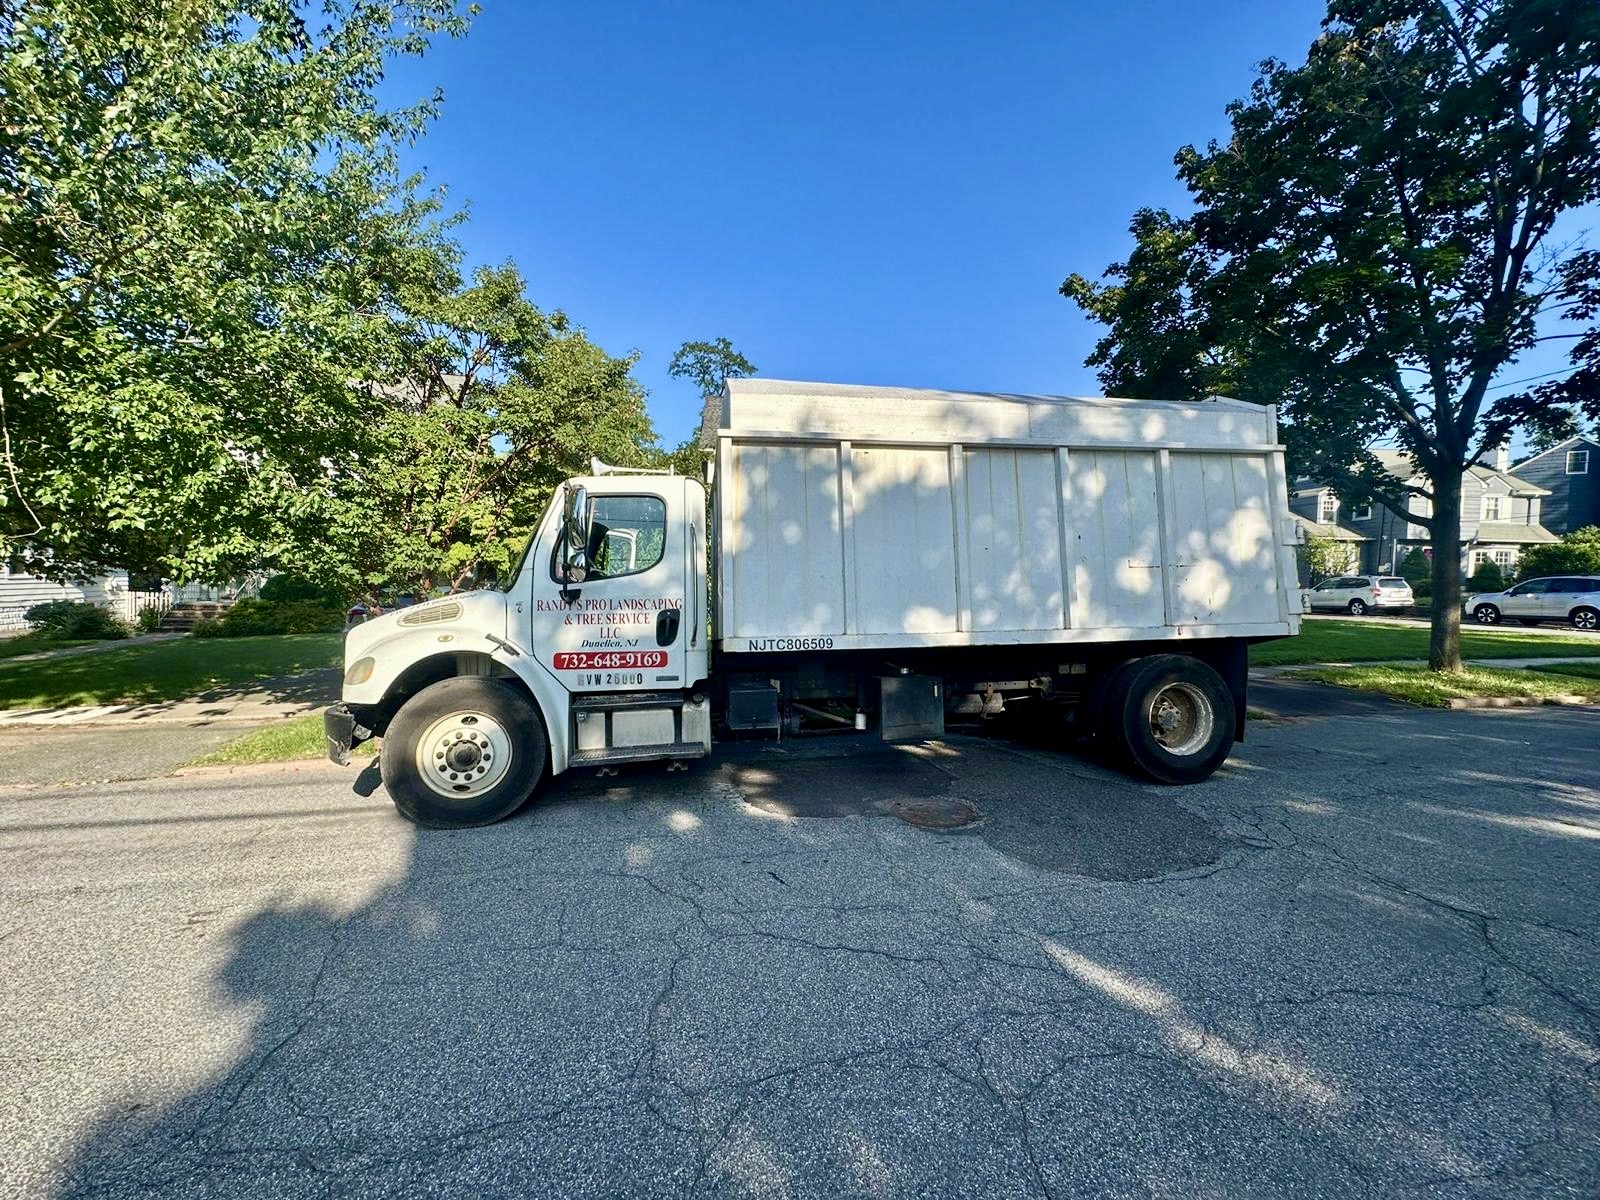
{"x":469,"y":624}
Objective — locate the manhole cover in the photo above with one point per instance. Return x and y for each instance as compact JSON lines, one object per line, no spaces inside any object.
{"x":935,"y":814}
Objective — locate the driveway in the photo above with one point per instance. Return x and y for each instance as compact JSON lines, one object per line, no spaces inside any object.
{"x":1360,"y":961}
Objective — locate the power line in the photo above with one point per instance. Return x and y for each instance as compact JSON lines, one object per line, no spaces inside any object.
{"x":1530,"y":379}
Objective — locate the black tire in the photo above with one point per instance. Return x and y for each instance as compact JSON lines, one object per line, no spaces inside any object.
{"x":526,"y":751}
{"x":1357,"y":608}
{"x":1585,"y":618}
{"x":1486,"y":614}
{"x":1192,"y":691}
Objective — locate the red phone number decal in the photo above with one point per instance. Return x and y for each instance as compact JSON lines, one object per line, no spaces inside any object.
{"x":609,"y":660}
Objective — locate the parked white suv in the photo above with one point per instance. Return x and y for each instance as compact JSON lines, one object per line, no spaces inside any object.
{"x":1359,"y":594}
{"x":1574,"y":598}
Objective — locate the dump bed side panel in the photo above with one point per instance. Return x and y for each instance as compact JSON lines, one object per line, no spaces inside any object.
{"x":883,"y":540}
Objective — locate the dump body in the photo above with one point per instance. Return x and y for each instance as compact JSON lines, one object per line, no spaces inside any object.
{"x":889,"y":518}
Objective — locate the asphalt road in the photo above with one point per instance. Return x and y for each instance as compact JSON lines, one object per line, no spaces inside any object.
{"x":1361,"y":961}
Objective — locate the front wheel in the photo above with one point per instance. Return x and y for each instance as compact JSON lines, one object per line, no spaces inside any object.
{"x":1171,"y":716}
{"x":1486,"y":614}
{"x":1586,"y":618}
{"x":461,"y":752}
{"x":1357,"y":608}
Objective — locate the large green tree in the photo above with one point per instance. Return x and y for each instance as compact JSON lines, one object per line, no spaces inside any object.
{"x":488,"y":405}
{"x":201,"y":236}
{"x":1376,"y":241}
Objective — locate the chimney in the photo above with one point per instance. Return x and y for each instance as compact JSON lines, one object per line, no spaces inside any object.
{"x":1500,"y":459}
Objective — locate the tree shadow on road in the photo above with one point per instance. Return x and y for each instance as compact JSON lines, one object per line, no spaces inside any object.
{"x":752,"y":980}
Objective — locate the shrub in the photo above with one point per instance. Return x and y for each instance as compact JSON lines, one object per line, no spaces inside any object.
{"x":76,"y":620}
{"x":149,"y":618}
{"x":206,"y":627}
{"x":1417,"y":568}
{"x":1487,"y":578}
{"x":266,"y":618}
{"x":309,"y":616}
{"x":1577,"y":553}
{"x":285,"y":589}
{"x":251,"y":618}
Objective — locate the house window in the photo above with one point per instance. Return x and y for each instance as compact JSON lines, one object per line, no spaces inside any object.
{"x":1491,"y":507}
{"x":1363,"y":513}
{"x":1504,"y":557}
{"x":1328,"y":511}
{"x":1577,"y":462}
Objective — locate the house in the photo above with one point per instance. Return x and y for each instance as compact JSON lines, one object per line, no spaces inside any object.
{"x":1500,"y":515}
{"x":119,"y":593}
{"x":1570,"y":473}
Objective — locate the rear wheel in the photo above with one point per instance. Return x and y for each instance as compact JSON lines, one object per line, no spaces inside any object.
{"x":461,"y":752}
{"x":1486,"y":614}
{"x":1171,"y":717}
{"x":1586,"y":618}
{"x":1357,"y":608}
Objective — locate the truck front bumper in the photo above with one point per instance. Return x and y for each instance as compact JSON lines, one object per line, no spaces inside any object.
{"x":339,"y":726}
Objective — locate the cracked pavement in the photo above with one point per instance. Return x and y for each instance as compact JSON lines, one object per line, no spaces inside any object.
{"x":1360,"y":961}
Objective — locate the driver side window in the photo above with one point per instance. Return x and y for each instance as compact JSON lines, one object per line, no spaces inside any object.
{"x":627,"y":536}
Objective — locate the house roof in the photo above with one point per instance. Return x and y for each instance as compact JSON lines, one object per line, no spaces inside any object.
{"x":1559,"y":448}
{"x":1337,"y":533}
{"x":710,"y":421}
{"x":1506,"y":531}
{"x":1401,"y":465}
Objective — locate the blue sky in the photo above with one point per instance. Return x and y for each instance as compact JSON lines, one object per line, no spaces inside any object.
{"x":866,"y":193}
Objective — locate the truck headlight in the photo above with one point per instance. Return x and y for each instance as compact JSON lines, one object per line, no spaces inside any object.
{"x":360,"y":671}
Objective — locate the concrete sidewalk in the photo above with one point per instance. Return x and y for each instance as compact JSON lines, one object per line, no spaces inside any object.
{"x":271,"y":700}
{"x":143,"y":639}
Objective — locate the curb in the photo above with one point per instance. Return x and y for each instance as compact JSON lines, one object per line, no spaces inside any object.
{"x":1564,"y":701}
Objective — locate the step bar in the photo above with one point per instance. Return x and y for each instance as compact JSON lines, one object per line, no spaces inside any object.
{"x":672,"y":751}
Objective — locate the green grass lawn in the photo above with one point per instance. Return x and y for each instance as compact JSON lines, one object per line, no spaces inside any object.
{"x":1418,"y":685}
{"x":298,"y":737}
{"x":1370,"y":641}
{"x":161,"y":671}
{"x":33,"y":643}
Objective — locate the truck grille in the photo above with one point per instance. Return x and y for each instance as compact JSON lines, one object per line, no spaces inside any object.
{"x":431,"y":614}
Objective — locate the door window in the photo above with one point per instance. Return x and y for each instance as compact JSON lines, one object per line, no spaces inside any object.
{"x":627,"y":535}
{"x":1534,"y":587}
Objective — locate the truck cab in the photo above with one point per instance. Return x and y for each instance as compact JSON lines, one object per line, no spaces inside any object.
{"x":593,"y":653}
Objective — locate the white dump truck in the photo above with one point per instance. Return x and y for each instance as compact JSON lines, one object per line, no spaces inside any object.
{"x":882,"y":559}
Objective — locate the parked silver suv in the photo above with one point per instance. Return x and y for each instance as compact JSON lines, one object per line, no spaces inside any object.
{"x":1574,"y":598}
{"x":1358,"y":594}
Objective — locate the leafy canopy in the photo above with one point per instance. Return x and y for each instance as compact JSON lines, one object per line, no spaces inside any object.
{"x":201,"y":234}
{"x":497,"y":403}
{"x":1375,"y":242}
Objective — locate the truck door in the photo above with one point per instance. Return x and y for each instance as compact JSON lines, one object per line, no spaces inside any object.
{"x":621,"y":627}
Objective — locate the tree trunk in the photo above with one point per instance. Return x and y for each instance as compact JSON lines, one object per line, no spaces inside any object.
{"x":1444,"y":640}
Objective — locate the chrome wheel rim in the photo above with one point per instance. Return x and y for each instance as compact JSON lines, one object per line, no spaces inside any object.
{"x":1586,"y":620}
{"x":463,"y":755}
{"x":1487,"y":615}
{"x":1181,"y":719}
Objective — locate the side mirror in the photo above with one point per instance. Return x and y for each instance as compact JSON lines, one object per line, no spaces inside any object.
{"x":575,"y":535}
